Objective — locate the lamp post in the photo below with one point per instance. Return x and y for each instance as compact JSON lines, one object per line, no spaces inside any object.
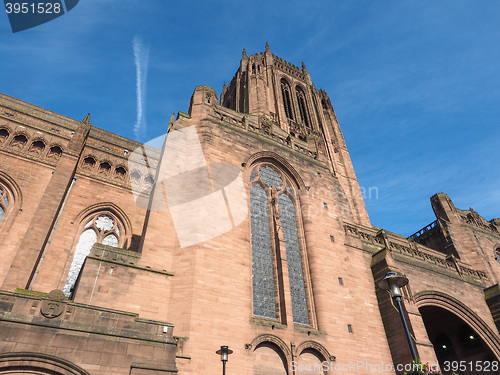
{"x":393,"y":283}
{"x":224,"y":352}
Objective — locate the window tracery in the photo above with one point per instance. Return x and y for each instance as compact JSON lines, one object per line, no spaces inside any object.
{"x":88,"y":163}
{"x":55,"y":152}
{"x":10,"y":197}
{"x":301,"y":100}
{"x":120,"y":172}
{"x":4,"y":202}
{"x":104,"y":167}
{"x":274,"y":224}
{"x":287,"y":100}
{"x":37,"y":147}
{"x":19,"y":141}
{"x":4,"y":134}
{"x":101,"y":227}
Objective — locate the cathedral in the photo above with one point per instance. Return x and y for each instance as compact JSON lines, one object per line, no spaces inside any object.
{"x":238,"y":243}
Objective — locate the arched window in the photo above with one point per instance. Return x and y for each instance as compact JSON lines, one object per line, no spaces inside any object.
{"x":120,"y":172}
{"x":19,"y":141}
{"x":104,"y":167}
{"x":4,"y":134}
{"x":301,"y":100}
{"x":287,"y":100}
{"x":88,"y":163}
{"x":10,"y":197}
{"x":497,"y":255}
{"x":55,"y":152}
{"x":37,"y":147}
{"x":5,"y":200}
{"x":274,"y":226}
{"x":100,"y":227}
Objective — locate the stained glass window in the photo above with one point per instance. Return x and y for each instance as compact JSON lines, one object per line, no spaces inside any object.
{"x":301,"y":100}
{"x":287,"y":102}
{"x":270,"y":177}
{"x":295,"y":270}
{"x":101,"y":228}
{"x":264,"y":300}
{"x":4,"y":201}
{"x":264,"y":226}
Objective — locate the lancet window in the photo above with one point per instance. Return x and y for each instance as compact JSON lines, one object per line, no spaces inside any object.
{"x":287,"y":99}
{"x":5,"y":201}
{"x":274,"y":228}
{"x":301,"y":100}
{"x":101,"y":227}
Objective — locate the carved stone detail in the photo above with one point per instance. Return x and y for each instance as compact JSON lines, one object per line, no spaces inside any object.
{"x":54,"y":305}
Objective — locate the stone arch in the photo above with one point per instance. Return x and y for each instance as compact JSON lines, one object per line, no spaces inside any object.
{"x":37,"y":363}
{"x":89,"y":162}
{"x":112,"y":208}
{"x":287,"y":79}
{"x":271,"y":356}
{"x":120,"y":171}
{"x":496,"y":252}
{"x":135,"y":175}
{"x":316,"y":347}
{"x":10,"y":202}
{"x":38,"y":145}
{"x":5,"y":133}
{"x":287,"y":97}
{"x":102,"y":223}
{"x":451,"y":304}
{"x":287,"y":353}
{"x":279,"y":161}
{"x":303,"y":106}
{"x":14,"y":187}
{"x":19,"y":140}
{"x":105,"y":166}
{"x":55,"y":151}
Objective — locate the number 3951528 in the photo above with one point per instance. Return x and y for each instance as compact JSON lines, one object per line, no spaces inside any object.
{"x":40,"y":8}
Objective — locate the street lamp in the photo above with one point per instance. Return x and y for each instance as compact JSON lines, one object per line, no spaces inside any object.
{"x":224,"y":352}
{"x":393,"y":283}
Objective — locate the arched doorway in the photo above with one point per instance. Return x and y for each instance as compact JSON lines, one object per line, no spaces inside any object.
{"x":24,"y":363}
{"x":463,"y":342}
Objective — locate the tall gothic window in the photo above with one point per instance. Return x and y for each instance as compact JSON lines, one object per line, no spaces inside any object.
{"x":287,"y":100}
{"x":102,"y":227}
{"x":7,"y":198}
{"x":4,"y":201}
{"x":301,"y":100}
{"x":274,"y":229}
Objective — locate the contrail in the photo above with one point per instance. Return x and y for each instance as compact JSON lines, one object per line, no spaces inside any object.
{"x":141,"y":54}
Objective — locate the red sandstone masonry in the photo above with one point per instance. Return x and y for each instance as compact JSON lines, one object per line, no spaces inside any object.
{"x":205,"y":289}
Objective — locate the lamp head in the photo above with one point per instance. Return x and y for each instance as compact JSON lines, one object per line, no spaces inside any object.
{"x":224,"y":352}
{"x":393,"y":282}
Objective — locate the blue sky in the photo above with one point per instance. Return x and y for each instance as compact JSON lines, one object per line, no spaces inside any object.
{"x":415,"y":84}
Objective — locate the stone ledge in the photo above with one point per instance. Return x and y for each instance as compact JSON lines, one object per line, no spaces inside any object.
{"x":160,"y":366}
{"x":122,"y":257}
{"x":28,"y":309}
